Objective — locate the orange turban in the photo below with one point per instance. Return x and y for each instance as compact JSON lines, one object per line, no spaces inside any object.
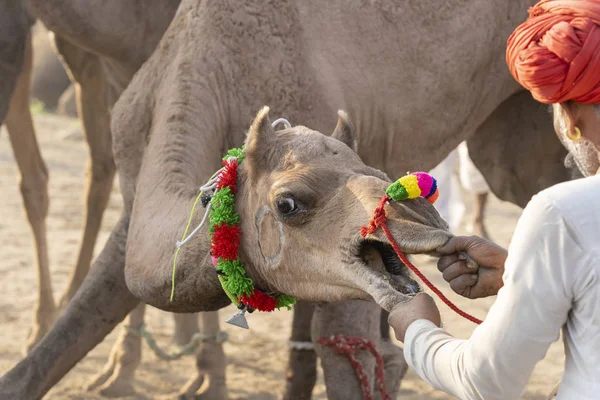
{"x":555,"y":54}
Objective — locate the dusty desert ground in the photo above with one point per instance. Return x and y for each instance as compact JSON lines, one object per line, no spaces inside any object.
{"x":247,"y":377}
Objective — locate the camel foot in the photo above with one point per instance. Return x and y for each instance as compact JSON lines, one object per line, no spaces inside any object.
{"x":117,"y":387}
{"x":478,"y":228}
{"x":116,"y":379}
{"x":42,"y":324}
{"x":202,"y":387}
{"x":209,"y":380}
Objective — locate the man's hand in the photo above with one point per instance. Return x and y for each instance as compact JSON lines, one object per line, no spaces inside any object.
{"x":402,"y":315}
{"x":464,"y":276}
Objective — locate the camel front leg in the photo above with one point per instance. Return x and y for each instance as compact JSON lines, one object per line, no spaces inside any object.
{"x":209,"y":381}
{"x":186,"y":326}
{"x":117,"y":377}
{"x":96,"y":309}
{"x":351,"y":318}
{"x":34,"y":189}
{"x":301,"y":373}
{"x":92,"y":95}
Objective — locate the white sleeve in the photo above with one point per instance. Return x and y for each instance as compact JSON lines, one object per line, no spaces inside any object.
{"x":496,"y":362}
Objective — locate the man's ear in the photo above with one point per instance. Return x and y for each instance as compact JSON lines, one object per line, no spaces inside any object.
{"x":571,"y":113}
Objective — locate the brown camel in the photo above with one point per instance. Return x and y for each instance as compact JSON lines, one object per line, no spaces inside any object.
{"x":92,"y":73}
{"x":86,"y":71}
{"x":206,"y":77}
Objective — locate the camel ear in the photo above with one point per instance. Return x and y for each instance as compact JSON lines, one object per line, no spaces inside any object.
{"x":344,"y":130}
{"x":259,"y":142}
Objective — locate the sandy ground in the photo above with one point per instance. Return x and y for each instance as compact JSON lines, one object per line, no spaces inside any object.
{"x":256,"y":358}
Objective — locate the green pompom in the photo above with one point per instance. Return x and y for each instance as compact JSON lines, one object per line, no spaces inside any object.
{"x":234,"y":279}
{"x":285,"y":301}
{"x":239,"y":287}
{"x":223,"y":209}
{"x":397,"y":192}
{"x":239,"y":153}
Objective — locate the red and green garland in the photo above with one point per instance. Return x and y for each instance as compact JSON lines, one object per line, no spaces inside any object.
{"x":225,"y":234}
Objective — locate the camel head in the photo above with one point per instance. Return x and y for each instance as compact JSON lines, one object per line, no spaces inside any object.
{"x":302,"y":199}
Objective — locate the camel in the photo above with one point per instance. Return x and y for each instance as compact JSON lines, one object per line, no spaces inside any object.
{"x":310,"y":76}
{"x":86,"y":70}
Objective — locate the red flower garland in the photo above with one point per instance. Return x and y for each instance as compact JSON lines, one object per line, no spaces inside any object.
{"x":226,"y":241}
{"x":260,"y":301}
{"x":228,"y":177}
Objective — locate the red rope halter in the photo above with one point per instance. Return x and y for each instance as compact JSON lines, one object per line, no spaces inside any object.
{"x":379,"y":220}
{"x":349,"y":345}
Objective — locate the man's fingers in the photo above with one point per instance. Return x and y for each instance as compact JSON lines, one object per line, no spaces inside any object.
{"x":455,"y":244}
{"x":463,"y":282}
{"x":446,"y":261}
{"x":457,"y":269}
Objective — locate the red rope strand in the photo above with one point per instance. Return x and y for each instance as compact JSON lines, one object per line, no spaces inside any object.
{"x":379,"y":220}
{"x":349,"y":345}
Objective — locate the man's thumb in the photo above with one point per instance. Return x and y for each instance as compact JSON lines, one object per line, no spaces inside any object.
{"x":454,"y":245}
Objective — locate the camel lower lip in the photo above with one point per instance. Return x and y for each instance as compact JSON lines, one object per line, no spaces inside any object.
{"x":393,"y":270}
{"x":411,"y":288}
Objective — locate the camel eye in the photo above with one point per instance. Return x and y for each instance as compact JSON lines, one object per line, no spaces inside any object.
{"x":286,"y":205}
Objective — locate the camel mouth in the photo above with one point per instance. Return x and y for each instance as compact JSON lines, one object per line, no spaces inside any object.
{"x":381,"y":258}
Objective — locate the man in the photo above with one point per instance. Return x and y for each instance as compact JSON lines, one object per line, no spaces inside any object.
{"x":550,"y":277}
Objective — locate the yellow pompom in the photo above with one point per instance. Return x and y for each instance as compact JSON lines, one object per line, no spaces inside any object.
{"x":411,"y":184}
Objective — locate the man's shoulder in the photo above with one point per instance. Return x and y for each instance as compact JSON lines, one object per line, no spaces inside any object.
{"x":582,"y":195}
{"x":576,"y":202}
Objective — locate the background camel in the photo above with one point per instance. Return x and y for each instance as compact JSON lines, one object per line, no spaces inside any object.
{"x":380,"y":119}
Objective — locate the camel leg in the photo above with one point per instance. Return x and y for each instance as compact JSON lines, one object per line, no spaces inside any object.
{"x":117,"y":377}
{"x":86,"y":71}
{"x":34,"y":189}
{"x":302,"y":365}
{"x":186,"y":326}
{"x":480,"y":202}
{"x":393,"y":358}
{"x":14,"y":40}
{"x":210,"y":364}
{"x":352,"y":318}
{"x":96,"y":309}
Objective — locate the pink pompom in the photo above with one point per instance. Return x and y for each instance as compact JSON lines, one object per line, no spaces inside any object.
{"x":214,"y":260}
{"x":425,"y":182}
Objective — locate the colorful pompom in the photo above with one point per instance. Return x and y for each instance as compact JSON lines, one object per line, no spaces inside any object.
{"x":260,"y":301}
{"x":285,"y":301}
{"x":226,"y":241}
{"x":412,"y":186}
{"x":228,"y":176}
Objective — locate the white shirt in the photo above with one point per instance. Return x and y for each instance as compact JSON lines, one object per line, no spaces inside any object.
{"x":551,"y":281}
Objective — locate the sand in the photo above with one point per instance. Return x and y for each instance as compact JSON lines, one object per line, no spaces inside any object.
{"x":256,"y":358}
